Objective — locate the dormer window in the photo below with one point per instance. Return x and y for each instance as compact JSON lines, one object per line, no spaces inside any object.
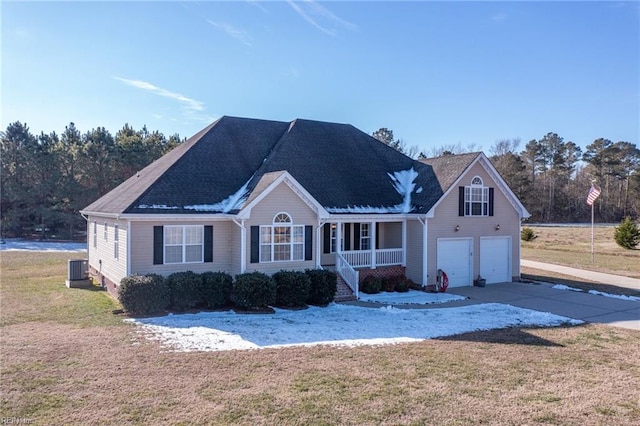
{"x":476,"y":199}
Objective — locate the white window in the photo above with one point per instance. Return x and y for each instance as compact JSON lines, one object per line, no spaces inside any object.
{"x":95,"y":234}
{"x":183,"y":244}
{"x":334,"y":237}
{"x":282,"y":241}
{"x":116,"y":249}
{"x":476,"y":198}
{"x":106,"y":231}
{"x":365,"y":236}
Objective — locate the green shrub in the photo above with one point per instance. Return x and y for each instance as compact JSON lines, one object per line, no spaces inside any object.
{"x":527,"y":234}
{"x":144,"y":294}
{"x":371,"y":285}
{"x":185,"y":290}
{"x":324,"y":286}
{"x":403,"y":287}
{"x":292,"y":288}
{"x":254,"y":290}
{"x":389,"y":283}
{"x":627,"y":235}
{"x":402,"y":283}
{"x":216,"y":289}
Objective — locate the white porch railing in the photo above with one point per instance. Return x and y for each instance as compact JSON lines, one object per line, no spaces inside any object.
{"x":348,"y":274}
{"x":384,"y":257}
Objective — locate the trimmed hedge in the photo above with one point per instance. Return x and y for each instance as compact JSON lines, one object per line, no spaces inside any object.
{"x":254,"y":290}
{"x":185,"y":290}
{"x":144,"y":294}
{"x":216,"y":289}
{"x":324,"y":286}
{"x":292,"y":288}
{"x":371,"y":285}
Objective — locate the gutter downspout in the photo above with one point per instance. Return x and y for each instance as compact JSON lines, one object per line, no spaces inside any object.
{"x":243,"y":245}
{"x":425,"y":251}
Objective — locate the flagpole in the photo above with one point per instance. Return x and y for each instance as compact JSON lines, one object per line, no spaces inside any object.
{"x":592,"y":250}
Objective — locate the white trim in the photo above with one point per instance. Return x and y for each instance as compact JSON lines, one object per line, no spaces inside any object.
{"x":183,"y":244}
{"x":404,"y":242}
{"x":425,"y":258}
{"x":128,"y":256}
{"x":295,"y":186}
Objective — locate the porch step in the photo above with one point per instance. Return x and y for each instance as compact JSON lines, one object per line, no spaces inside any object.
{"x":344,"y":293}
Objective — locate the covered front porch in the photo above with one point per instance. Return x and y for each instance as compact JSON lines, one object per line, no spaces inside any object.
{"x":350,"y":246}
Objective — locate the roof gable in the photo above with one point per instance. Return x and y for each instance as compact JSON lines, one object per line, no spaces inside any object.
{"x":451,"y":169}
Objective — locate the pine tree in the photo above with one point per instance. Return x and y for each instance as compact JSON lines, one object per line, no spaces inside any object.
{"x":627,"y":235}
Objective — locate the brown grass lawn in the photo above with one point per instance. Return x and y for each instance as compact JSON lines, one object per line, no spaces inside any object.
{"x":66,"y":359}
{"x":571,"y":246}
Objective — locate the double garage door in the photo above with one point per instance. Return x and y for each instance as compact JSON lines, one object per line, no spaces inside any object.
{"x":455,"y":257}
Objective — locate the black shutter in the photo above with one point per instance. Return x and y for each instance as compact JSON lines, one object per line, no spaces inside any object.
{"x":326,"y":238}
{"x":461,"y":201}
{"x":490,"y":201}
{"x":377,"y":235}
{"x":356,"y":236}
{"x":208,"y":244}
{"x":347,"y":236}
{"x":255,"y":244}
{"x":158,"y":245}
{"x":308,"y":242}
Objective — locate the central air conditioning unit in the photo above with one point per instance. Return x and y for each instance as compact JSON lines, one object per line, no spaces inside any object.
{"x":78,"y":273}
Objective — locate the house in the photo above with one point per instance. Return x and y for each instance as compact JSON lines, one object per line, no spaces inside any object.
{"x":248,"y":195}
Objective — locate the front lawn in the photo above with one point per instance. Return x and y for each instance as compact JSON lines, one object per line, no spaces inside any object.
{"x":66,"y":359}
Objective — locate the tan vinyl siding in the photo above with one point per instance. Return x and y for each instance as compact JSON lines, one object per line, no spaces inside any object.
{"x":142,"y":249}
{"x":101,"y":257}
{"x":235,"y":233}
{"x":415,"y":238}
{"x":281,"y":199}
{"x":446,"y":219}
{"x":390,"y":235}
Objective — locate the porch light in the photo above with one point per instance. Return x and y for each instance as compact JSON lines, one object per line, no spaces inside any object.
{"x":457,"y":228}
{"x":497,"y":227}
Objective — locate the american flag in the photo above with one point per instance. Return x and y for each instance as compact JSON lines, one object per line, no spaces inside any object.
{"x":594,"y":193}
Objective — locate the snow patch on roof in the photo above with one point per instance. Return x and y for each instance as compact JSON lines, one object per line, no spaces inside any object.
{"x":232,"y":202}
{"x":403,"y":183}
{"x":157,"y":207}
{"x":366,"y":209}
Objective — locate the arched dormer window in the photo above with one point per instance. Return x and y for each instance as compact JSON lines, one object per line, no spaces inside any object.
{"x":478,"y":199}
{"x":282,"y":241}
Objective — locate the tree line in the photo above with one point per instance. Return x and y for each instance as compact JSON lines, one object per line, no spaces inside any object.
{"x":46,"y":179}
{"x":552,"y":177}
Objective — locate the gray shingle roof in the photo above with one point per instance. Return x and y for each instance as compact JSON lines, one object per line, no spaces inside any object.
{"x":342,"y":167}
{"x":449,"y":168}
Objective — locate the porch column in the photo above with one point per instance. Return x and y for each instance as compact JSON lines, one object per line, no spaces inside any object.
{"x":243,"y":248}
{"x":404,"y":242}
{"x":339,"y":238}
{"x":318,"y":248}
{"x":372,"y":241}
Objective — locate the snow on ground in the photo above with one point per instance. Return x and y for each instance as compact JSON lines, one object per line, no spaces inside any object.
{"x":565,"y":287}
{"x":615,"y":296}
{"x":410,"y":297}
{"x":12,"y":244}
{"x":336,"y":325}
{"x":598,"y":293}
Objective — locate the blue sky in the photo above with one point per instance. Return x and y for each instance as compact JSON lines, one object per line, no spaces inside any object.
{"x":436,"y":73}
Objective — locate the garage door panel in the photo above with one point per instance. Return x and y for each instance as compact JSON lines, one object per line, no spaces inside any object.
{"x":454,"y":258}
{"x":495,"y":259}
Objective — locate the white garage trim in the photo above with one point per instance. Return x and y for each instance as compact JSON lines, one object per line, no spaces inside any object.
{"x":495,"y":259}
{"x":455,"y":258}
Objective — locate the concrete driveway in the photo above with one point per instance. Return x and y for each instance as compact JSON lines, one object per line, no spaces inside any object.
{"x":572,"y":304}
